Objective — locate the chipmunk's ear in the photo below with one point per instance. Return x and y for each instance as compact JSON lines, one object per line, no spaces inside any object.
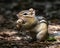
{"x":32,"y":12}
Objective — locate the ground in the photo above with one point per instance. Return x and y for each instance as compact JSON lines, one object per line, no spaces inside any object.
{"x":10,"y":38}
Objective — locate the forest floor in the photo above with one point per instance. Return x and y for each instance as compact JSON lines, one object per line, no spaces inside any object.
{"x":10,"y":38}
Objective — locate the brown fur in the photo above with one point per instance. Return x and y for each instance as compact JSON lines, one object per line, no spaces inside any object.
{"x":31,"y":22}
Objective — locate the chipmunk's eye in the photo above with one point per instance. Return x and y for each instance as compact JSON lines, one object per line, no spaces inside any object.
{"x":25,"y":14}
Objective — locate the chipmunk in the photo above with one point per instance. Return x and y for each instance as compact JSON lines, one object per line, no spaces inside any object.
{"x":36,"y":26}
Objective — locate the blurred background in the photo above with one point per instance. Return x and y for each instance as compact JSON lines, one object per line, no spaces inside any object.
{"x":49,"y":8}
{"x":9,"y":8}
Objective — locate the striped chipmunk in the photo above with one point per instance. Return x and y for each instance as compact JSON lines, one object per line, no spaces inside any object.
{"x":35,"y":25}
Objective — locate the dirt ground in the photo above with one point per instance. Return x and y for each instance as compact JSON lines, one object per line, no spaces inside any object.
{"x":10,"y":38}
